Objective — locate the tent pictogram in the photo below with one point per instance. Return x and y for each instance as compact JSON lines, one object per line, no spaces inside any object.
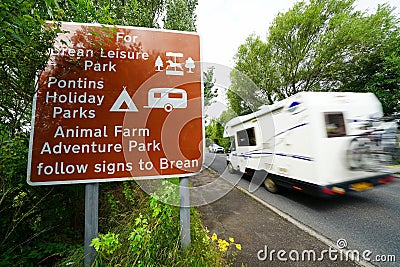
{"x":124,"y":98}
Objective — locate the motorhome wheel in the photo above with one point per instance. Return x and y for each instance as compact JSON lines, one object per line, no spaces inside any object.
{"x":270,"y":185}
{"x":230,"y":168}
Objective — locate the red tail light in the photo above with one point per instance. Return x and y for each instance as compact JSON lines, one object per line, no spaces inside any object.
{"x":386,"y":180}
{"x":328,"y":191}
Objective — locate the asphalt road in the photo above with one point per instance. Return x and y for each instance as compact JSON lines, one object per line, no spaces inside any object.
{"x":368,"y":220}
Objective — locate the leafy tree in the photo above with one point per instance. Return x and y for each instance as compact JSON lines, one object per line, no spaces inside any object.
{"x":180,"y":15}
{"x":317,"y":45}
{"x":380,"y":74}
{"x":226,"y":116}
{"x":244,"y":95}
{"x":309,"y":44}
{"x":24,"y":213}
{"x":250,"y":81}
{"x":215,"y":129}
{"x":209,"y":90}
{"x":36,"y":222}
{"x":23,"y":51}
{"x":215,"y":132}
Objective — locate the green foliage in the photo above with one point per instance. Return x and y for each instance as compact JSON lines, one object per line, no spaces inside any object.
{"x":310,"y":43}
{"x":140,"y":235}
{"x":226,"y":116}
{"x":129,"y":193}
{"x":24,"y":43}
{"x":208,"y":83}
{"x":251,"y":87}
{"x":244,"y":95}
{"x":320,"y":46}
{"x":39,"y":224}
{"x":180,"y":15}
{"x":148,"y":235}
{"x":215,"y":131}
{"x":34,"y":222}
{"x":134,"y":13}
{"x":167,"y":14}
{"x":113,"y":204}
{"x":106,"y":244}
{"x":380,"y":74}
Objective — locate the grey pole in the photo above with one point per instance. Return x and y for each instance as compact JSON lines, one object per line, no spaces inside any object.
{"x":184,"y":212}
{"x":91,"y":221}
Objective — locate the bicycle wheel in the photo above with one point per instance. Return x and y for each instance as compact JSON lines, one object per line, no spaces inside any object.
{"x":355,"y":154}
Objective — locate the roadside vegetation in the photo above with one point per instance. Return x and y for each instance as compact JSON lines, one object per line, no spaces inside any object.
{"x":140,"y":230}
{"x":43,"y":226}
{"x":316,"y":45}
{"x":326,"y":45}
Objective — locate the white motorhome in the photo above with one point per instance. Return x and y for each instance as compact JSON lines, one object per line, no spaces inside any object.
{"x":316,"y":142}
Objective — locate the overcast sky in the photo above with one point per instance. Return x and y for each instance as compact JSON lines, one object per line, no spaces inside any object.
{"x":223,"y":25}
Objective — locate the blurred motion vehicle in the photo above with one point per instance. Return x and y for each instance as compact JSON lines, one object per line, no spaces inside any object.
{"x":214,"y":148}
{"x":321,"y":143}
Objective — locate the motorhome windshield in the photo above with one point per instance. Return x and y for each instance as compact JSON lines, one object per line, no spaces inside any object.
{"x":246,"y":137}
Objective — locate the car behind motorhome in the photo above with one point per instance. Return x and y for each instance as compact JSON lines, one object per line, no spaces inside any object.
{"x":322,"y":143}
{"x":214,"y":148}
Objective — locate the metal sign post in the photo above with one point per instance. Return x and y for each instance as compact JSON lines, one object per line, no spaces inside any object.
{"x":91,"y":221}
{"x":184,"y":195}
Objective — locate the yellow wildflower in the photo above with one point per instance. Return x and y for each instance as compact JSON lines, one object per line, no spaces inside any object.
{"x":223,"y":245}
{"x":231,"y":239}
{"x":238,"y":247}
{"x":214,"y":237}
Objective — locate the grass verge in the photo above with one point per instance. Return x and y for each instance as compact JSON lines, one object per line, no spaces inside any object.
{"x":140,"y":230}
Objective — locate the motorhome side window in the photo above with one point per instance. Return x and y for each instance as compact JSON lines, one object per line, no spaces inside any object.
{"x":246,"y":137}
{"x":335,"y":126}
{"x":233,"y":144}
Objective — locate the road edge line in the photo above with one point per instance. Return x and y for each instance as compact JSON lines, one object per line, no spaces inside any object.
{"x":295,"y":222}
{"x":303,"y":227}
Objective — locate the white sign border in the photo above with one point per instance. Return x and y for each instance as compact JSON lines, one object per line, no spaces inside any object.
{"x":88,"y":181}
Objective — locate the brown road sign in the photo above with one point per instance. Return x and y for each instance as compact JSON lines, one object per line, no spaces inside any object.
{"x":116,"y":103}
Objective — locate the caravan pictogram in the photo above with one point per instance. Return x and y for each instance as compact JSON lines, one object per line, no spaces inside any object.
{"x":167,"y":98}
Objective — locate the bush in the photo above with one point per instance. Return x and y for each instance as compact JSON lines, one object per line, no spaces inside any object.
{"x":147,"y":234}
{"x":36,"y":223}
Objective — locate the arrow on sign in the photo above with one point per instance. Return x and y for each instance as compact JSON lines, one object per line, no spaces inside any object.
{"x":124,"y":98}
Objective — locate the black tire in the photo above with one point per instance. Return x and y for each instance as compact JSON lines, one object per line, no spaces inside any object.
{"x":270,"y":185}
{"x":230,"y":168}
